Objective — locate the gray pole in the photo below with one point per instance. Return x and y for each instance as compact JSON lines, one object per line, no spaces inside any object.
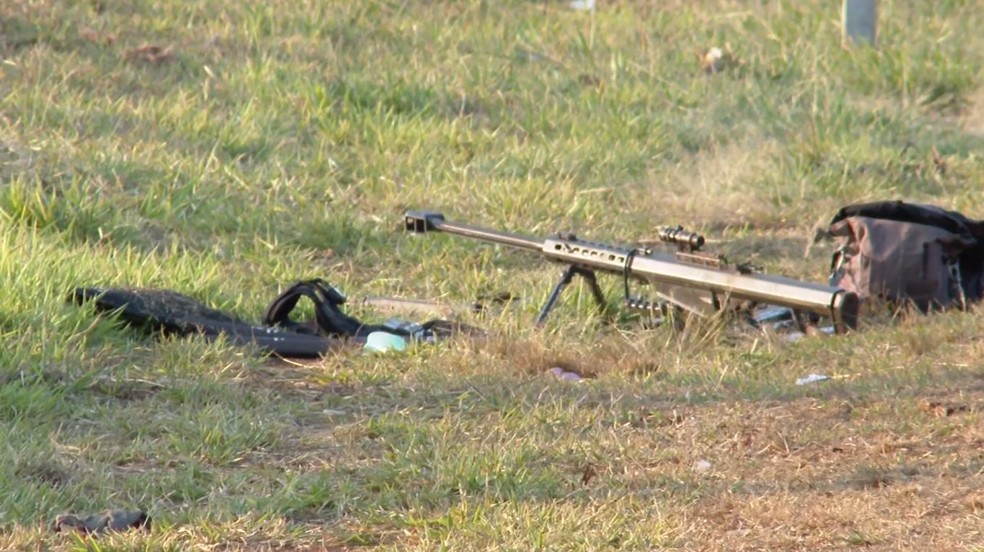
{"x":860,"y":21}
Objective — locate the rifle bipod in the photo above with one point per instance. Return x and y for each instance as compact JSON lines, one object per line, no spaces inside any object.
{"x":565,"y":279}
{"x":660,"y":311}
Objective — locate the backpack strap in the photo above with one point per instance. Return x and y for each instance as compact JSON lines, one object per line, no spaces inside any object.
{"x":901,"y":211}
{"x":281,"y":342}
{"x":956,"y":282}
{"x":329,"y":318}
{"x":277,"y":314}
{"x":331,"y":321}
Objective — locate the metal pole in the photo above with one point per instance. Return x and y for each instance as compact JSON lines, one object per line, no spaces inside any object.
{"x":860,"y":21}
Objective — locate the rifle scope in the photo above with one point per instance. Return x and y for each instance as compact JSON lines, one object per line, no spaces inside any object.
{"x":681,"y":237}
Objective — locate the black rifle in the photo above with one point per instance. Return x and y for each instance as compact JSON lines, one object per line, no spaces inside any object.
{"x":689,"y":280}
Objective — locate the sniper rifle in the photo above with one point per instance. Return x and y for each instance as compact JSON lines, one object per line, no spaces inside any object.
{"x":689,"y":280}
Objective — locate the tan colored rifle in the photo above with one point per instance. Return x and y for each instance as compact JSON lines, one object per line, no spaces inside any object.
{"x":688,"y":280}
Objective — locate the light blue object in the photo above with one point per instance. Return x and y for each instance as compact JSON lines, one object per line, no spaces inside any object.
{"x":382,"y":342}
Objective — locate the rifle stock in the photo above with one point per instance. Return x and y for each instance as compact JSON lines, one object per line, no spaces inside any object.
{"x":690,"y":280}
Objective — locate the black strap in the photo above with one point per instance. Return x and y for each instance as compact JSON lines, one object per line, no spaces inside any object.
{"x":284,"y":343}
{"x":277,"y":314}
{"x":900,"y":211}
{"x":330,"y":319}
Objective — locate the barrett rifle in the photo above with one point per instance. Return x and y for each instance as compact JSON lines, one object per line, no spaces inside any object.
{"x":688,"y":280}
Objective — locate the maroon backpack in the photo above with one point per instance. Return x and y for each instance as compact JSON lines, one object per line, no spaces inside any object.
{"x":908,"y":253}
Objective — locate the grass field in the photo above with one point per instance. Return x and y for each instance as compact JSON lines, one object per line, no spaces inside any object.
{"x":225,"y":149}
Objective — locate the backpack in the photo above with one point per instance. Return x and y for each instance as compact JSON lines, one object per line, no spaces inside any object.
{"x":908,"y":253}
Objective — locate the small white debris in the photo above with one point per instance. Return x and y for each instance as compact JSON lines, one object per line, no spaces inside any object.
{"x":564,"y":375}
{"x":811,"y":378}
{"x":583,"y":5}
{"x":716,"y":60}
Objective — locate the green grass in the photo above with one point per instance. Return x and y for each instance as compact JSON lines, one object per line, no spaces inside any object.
{"x":283,"y":140}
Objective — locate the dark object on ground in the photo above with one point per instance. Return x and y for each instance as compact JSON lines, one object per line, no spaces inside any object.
{"x":331,"y":321}
{"x":110,"y":520}
{"x":172,"y":313}
{"x":908,"y":254}
{"x":329,"y":318}
{"x":690,"y":280}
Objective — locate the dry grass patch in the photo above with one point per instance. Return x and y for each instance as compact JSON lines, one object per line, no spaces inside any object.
{"x":802,"y":475}
{"x":971,"y":120}
{"x":717,"y":188}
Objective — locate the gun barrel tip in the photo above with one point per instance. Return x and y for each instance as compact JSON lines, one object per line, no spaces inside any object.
{"x":422,"y":221}
{"x":847,"y":308}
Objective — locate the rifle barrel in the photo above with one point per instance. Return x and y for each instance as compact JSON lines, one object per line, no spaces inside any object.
{"x":426,"y":221}
{"x":486,"y":234}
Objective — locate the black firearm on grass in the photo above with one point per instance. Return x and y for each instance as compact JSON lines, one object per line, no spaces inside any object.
{"x":687,"y":281}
